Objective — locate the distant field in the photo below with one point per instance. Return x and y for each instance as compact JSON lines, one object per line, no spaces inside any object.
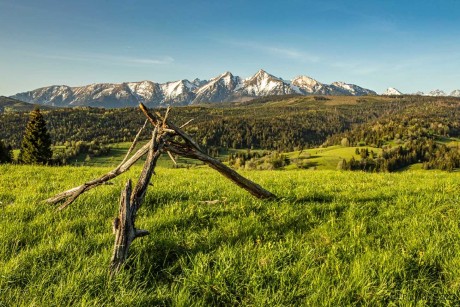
{"x":118,"y":152}
{"x":332,"y":239}
{"x":319,"y":158}
{"x":327,"y":158}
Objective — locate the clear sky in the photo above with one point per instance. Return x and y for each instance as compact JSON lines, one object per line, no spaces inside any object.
{"x":410,"y":45}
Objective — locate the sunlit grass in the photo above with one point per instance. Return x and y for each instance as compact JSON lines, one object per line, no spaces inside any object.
{"x":331,"y":239}
{"x":327,"y":158}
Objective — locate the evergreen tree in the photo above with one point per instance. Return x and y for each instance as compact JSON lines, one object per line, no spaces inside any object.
{"x":6,"y":153}
{"x":36,"y":142}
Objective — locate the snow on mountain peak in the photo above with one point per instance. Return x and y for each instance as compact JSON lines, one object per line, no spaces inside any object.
{"x":455,"y":93}
{"x":391,"y":91}
{"x":307,"y":84}
{"x":218,"y":89}
{"x":175,"y":89}
{"x":437,"y":93}
{"x":225,"y":87}
{"x":343,"y":88}
{"x":264,"y":84}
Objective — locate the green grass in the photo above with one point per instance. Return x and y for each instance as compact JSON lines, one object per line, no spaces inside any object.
{"x":332,"y":239}
{"x":327,"y":158}
{"x":117,"y":153}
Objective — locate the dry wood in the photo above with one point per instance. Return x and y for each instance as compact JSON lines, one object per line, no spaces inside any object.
{"x":130,"y":202}
{"x":188,"y":122}
{"x":192,"y":150}
{"x":131,"y":199}
{"x":172,"y":158}
{"x":213,"y":202}
{"x":155,"y":118}
{"x":70,"y":195}
{"x":241,"y":181}
{"x":134,"y":143}
{"x":149,"y":166}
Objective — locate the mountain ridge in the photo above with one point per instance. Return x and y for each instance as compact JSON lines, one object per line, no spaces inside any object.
{"x":223,"y":88}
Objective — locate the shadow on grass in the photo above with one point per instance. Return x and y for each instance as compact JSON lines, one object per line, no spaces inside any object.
{"x":175,"y":243}
{"x":170,"y":250}
{"x":322,"y":198}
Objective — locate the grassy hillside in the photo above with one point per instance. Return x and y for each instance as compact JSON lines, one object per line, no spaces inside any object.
{"x":327,"y":158}
{"x":333,"y":239}
{"x":13,"y":105}
{"x":319,"y":158}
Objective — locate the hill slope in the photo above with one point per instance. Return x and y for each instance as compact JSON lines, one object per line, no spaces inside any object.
{"x":8,"y":104}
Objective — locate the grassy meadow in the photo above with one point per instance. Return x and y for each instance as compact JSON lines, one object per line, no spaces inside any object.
{"x":321,"y":158}
{"x":331,"y":239}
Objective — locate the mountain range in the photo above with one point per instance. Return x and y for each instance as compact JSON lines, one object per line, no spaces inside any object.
{"x":455,"y":93}
{"x":223,"y":88}
{"x":435,"y":93}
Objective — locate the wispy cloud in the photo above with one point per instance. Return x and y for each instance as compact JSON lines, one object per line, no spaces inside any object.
{"x":284,"y":52}
{"x":291,"y":53}
{"x":395,"y":64}
{"x":107,"y":59}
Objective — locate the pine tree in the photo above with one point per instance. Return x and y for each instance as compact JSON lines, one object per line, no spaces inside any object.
{"x":36,"y":142}
{"x":6,"y":154}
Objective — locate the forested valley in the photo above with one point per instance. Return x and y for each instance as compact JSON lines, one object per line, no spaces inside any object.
{"x":409,"y":129}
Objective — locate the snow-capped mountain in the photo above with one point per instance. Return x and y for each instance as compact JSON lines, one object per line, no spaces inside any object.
{"x":218,"y":89}
{"x":264,"y":84}
{"x":113,"y":95}
{"x":225,"y":87}
{"x":146,"y":91}
{"x":342,"y":88}
{"x":392,"y":91}
{"x":455,"y":93}
{"x":307,"y":85}
{"x":179,"y":92}
{"x":437,"y":93}
{"x":61,"y":94}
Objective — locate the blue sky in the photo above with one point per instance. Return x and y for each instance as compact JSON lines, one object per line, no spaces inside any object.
{"x":410,"y":45}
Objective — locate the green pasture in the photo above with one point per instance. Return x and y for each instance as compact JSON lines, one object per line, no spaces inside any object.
{"x":320,"y":158}
{"x":327,"y":158}
{"x":331,"y":239}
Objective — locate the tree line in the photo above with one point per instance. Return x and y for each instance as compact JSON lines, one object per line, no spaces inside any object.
{"x":291,"y":123}
{"x":416,"y":135}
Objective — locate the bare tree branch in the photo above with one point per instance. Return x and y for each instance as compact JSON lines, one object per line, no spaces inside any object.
{"x":231,"y":174}
{"x":131,"y":148}
{"x":73,"y":193}
{"x":188,"y":122}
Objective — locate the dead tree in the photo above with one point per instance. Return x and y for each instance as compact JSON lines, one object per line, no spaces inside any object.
{"x":166,"y":137}
{"x":190,"y":149}
{"x":130,"y":201}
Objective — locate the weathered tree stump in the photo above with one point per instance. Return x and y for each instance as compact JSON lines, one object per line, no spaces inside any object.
{"x":130,"y":201}
{"x":124,"y":230}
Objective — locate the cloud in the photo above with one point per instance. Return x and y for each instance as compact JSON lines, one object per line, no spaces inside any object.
{"x":290,"y":53}
{"x":108,"y":59}
{"x":284,"y":52}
